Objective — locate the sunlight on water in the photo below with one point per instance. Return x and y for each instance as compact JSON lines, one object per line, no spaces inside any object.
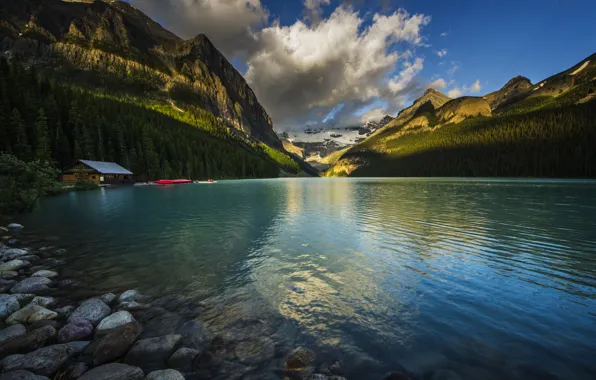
{"x":493,"y":276}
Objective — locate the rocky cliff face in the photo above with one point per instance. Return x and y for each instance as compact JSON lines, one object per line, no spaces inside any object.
{"x":114,"y":45}
{"x":514,"y":87}
{"x":457,"y":110}
{"x":430,"y":98}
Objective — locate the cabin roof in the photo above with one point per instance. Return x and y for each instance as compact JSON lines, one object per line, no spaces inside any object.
{"x":106,"y":167}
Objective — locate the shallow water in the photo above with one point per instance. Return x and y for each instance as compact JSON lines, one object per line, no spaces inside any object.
{"x":480,"y":276}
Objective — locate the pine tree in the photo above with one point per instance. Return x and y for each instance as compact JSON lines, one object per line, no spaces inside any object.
{"x":20,"y":143}
{"x":42,"y":144}
{"x":62,"y":147}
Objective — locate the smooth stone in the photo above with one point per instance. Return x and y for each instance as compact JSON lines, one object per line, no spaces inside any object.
{"x":153,"y":353}
{"x":11,"y":362}
{"x":45,"y":361}
{"x":21,"y":375}
{"x":72,"y":371}
{"x":299,"y":359}
{"x":65,"y":311}
{"x":15,"y":226}
{"x":30,"y":314}
{"x":129,"y":296}
{"x":194,"y":335}
{"x":43,"y":323}
{"x":44,"y":301}
{"x":32,"y":285}
{"x":13,"y":253}
{"x":113,"y":321}
{"x":132,"y":305}
{"x":12,"y":265}
{"x":75,"y":331}
{"x":108,"y":298}
{"x":45,"y":273}
{"x":255,"y":351}
{"x":115,"y":344}
{"x":8,"y":304}
{"x":92,"y":310}
{"x":6,"y":285}
{"x":165,"y":374}
{"x":12,"y":332}
{"x":7,"y":275}
{"x":78,"y":347}
{"x":182,"y":359}
{"x":26,"y":343}
{"x":114,"y":371}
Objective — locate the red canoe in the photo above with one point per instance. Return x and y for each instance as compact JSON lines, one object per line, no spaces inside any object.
{"x":172,"y":181}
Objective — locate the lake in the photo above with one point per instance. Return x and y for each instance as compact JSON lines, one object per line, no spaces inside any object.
{"x":484,"y":277}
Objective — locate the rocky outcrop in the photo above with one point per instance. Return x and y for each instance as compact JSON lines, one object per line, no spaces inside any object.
{"x":457,"y":110}
{"x":515,"y":86}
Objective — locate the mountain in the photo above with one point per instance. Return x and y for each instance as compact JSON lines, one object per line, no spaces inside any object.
{"x":547,"y":129}
{"x":430,"y":98}
{"x":515,"y":86}
{"x":111,"y":48}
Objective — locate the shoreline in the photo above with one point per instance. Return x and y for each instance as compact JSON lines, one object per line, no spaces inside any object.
{"x":46,"y":335}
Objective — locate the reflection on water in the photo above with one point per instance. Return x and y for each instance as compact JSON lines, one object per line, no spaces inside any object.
{"x":493,"y":276}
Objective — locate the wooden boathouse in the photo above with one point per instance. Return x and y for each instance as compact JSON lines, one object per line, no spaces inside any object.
{"x":102,"y":173}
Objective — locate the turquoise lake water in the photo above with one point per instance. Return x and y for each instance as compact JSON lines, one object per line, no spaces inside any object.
{"x":485,"y":277}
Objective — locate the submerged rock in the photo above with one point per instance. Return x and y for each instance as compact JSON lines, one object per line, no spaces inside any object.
{"x":182,"y":359}
{"x":115,"y":344}
{"x":32,"y":285}
{"x":44,"y":361}
{"x":255,"y":351}
{"x":30,"y":314}
{"x":153,"y":353}
{"x":114,"y":371}
{"x":194,"y":335}
{"x":92,"y":310}
{"x":12,"y":332}
{"x":75,"y":331}
{"x":8,"y":305}
{"x":166,"y":374}
{"x":129,"y":296}
{"x":8,"y":274}
{"x":113,"y":321}
{"x":13,"y":253}
{"x":45,"y":273}
{"x":28,"y":342}
{"x":300,"y":358}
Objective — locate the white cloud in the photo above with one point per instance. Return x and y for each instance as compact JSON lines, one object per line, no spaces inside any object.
{"x":439,"y":83}
{"x":453,"y":68}
{"x":374,"y":114}
{"x":475,"y":87}
{"x":444,"y":34}
{"x":454,"y":93}
{"x":300,"y":72}
{"x":441,"y":53}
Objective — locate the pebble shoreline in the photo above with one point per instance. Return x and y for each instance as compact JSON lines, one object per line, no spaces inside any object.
{"x":44,"y":336}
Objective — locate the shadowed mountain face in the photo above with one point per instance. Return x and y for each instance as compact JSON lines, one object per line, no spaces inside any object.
{"x":546,"y":129}
{"x":115,"y":46}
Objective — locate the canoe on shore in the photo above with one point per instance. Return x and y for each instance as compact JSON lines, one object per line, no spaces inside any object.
{"x":172,"y":181}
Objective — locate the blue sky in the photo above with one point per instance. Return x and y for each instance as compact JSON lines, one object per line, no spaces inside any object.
{"x":301,"y":58}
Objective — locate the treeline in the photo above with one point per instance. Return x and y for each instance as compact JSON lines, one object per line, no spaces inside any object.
{"x":551,"y":142}
{"x":43,"y":120}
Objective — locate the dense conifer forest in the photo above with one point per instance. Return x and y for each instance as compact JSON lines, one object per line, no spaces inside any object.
{"x":40,"y":119}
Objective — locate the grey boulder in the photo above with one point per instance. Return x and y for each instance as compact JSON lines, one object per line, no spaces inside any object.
{"x":13,"y":253}
{"x":129,"y":296}
{"x":32,"y":285}
{"x":92,"y":310}
{"x":12,"y":265}
{"x":108,"y":298}
{"x":115,"y":344}
{"x":153,"y":353}
{"x":114,"y":371}
{"x":14,"y":227}
{"x":44,"y":301}
{"x":45,"y":273}
{"x":182,"y":359}
{"x":75,"y":331}
{"x":7,"y":275}
{"x":8,"y":305}
{"x":113,"y":321}
{"x":28,"y":342}
{"x":29,"y":314}
{"x":44,"y":361}
{"x":165,"y":374}
{"x":12,"y":332}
